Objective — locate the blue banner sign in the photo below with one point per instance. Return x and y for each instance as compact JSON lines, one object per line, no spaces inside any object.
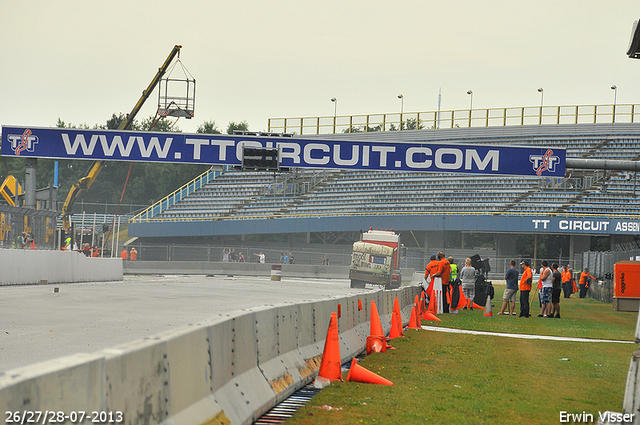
{"x":110,"y":145}
{"x":592,"y":225}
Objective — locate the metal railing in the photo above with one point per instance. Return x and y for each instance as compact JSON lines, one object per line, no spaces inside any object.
{"x":139,"y":219}
{"x":492,"y":117}
{"x":179,"y":194}
{"x":295,"y":183}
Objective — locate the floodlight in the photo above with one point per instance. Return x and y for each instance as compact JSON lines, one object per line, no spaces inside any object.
{"x":634,"y":44}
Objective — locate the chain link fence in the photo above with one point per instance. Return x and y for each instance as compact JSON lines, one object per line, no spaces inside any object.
{"x":600,"y":265}
{"x":312,"y":254}
{"x":39,"y":225}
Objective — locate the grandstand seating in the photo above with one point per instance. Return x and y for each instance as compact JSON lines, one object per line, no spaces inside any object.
{"x":241,"y":194}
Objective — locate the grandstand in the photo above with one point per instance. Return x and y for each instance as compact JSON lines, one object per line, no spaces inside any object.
{"x":237,"y":194}
{"x":302,"y":201}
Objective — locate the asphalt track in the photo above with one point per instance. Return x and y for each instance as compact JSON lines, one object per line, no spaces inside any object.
{"x":38,"y":324}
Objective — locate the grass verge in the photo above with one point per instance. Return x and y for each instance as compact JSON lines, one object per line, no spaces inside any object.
{"x":442,"y":378}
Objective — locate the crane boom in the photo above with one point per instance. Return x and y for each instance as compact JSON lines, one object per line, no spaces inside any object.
{"x":85,"y":182}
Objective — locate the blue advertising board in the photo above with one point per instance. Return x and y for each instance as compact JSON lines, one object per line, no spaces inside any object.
{"x":115,"y":145}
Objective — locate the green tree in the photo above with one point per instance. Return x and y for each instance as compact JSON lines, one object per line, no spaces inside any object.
{"x":242,"y":126}
{"x":366,"y":129}
{"x":208,"y":127}
{"x":115,"y":121}
{"x":412,"y":124}
{"x":153,"y":124}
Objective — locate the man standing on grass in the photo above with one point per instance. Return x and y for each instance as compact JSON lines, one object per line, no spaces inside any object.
{"x":468,"y":277}
{"x":432,"y":268}
{"x":433,"y":293}
{"x":444,"y":272}
{"x":525,"y":289}
{"x":557,"y":290}
{"x":584,"y":282}
{"x":546,"y":278}
{"x":509,"y":297}
{"x":567,"y":286}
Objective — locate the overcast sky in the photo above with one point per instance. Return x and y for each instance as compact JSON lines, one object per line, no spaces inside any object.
{"x":82,"y":60}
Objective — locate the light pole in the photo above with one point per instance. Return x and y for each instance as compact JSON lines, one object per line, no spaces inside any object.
{"x":401,"y":97}
{"x":541,"y":91}
{"x":470,"y":93}
{"x":335,"y":111}
{"x":615,"y":99}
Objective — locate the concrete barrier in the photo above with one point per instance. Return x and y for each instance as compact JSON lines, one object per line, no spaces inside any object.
{"x":229,"y":370}
{"x":247,"y":269}
{"x":239,"y":269}
{"x":22,"y":267}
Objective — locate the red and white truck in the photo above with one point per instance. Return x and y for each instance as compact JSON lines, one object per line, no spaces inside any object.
{"x":376,"y":260}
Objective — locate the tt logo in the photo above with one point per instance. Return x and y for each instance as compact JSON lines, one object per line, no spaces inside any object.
{"x":23,"y":142}
{"x":546,"y":162}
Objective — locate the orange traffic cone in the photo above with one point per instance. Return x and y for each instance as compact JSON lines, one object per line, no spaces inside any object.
{"x":376,"y":344}
{"x":433,"y":305}
{"x":414,"y":321}
{"x":430,"y":316}
{"x":395,"y":331}
{"x":330,"y":368}
{"x":396,"y":309}
{"x":376,"y":325}
{"x":358,"y":373}
{"x":422,"y":306}
{"x":487,"y":308}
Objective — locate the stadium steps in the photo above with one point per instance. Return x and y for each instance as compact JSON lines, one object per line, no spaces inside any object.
{"x":519,"y":199}
{"x":321,"y":185}
{"x":594,"y":149}
{"x":575,"y":200}
{"x":243,"y":205}
{"x":237,"y":207}
{"x":584,"y":193}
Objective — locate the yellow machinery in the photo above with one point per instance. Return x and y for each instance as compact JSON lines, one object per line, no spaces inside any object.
{"x":9,"y":189}
{"x":85,"y":182}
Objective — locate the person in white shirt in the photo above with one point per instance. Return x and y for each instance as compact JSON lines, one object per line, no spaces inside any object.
{"x":546,"y":277}
{"x":261,"y":257}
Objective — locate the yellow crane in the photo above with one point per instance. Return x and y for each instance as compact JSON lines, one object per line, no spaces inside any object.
{"x":9,"y":189}
{"x":85,"y":182}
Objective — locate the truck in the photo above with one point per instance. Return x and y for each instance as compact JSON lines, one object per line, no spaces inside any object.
{"x":376,"y":260}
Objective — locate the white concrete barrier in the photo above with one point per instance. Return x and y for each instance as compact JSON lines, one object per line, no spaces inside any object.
{"x":22,"y":267}
{"x":239,"y":269}
{"x":229,"y":370}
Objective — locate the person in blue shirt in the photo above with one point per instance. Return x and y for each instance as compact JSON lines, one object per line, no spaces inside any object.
{"x":511,"y":276}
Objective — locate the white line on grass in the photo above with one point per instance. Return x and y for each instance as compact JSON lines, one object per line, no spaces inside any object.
{"x":521,"y":336}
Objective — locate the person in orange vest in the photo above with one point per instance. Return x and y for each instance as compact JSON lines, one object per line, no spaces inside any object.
{"x":444,"y":271}
{"x":95,"y":253}
{"x":567,"y":287}
{"x":124,"y":254}
{"x":525,"y":289}
{"x":584,"y":282}
{"x":432,"y":267}
{"x":428,"y":284}
{"x":133,"y":255}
